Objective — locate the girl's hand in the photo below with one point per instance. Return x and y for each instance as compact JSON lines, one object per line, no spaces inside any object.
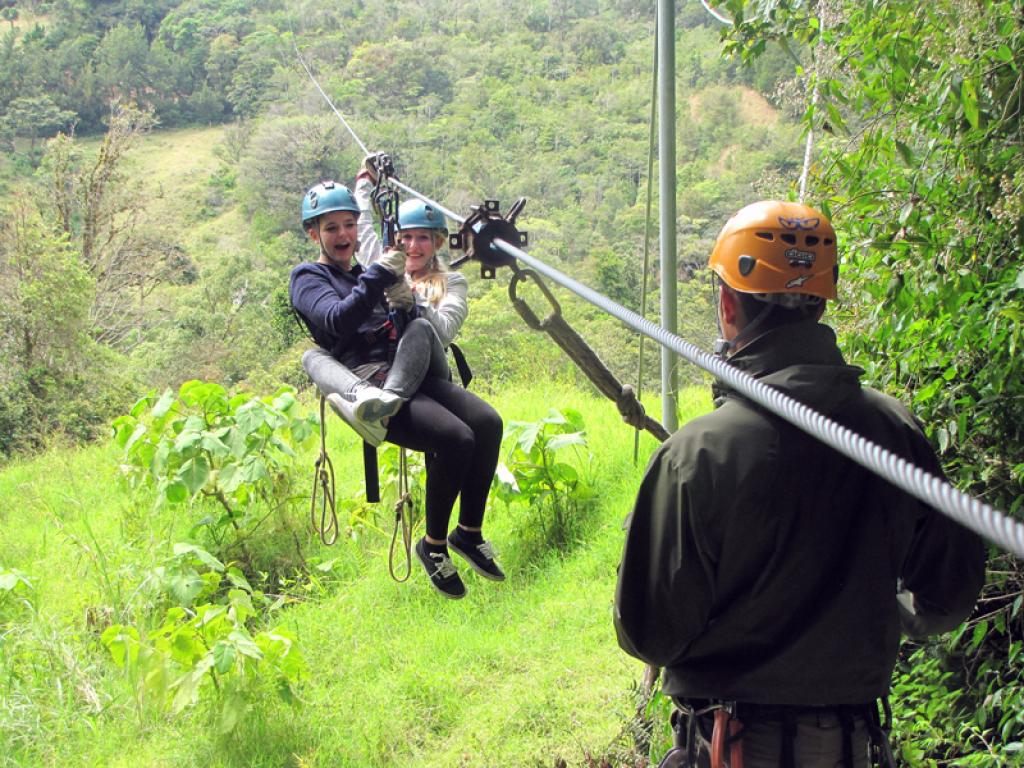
{"x":393,"y":260}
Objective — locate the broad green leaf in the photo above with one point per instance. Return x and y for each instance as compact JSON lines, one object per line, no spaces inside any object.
{"x":193,"y":473}
{"x":223,"y":656}
{"x":9,"y":579}
{"x":905,"y":152}
{"x":217,"y":447}
{"x":176,"y":492}
{"x":250,"y":417}
{"x":560,"y":441}
{"x":245,"y":644}
{"x":253,"y":470}
{"x":969,"y":99}
{"x":183,"y":586}
{"x":187,"y":440}
{"x":188,"y":684}
{"x":163,"y":405}
{"x":237,"y":578}
{"x":185,"y":548}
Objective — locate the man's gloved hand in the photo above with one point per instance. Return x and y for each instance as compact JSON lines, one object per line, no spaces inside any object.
{"x":393,"y":260}
{"x":399,"y":295}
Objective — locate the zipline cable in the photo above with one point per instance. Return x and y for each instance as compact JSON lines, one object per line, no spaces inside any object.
{"x":982,"y":518}
{"x":972,"y":513}
{"x":328,"y":100}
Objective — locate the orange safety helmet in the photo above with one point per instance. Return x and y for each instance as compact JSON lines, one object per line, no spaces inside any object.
{"x":784,"y":253}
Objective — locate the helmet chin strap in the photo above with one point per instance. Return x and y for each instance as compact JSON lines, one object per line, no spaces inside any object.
{"x":724,"y":348}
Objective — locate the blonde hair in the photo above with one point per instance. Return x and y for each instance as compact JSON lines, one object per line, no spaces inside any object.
{"x":434,"y":286}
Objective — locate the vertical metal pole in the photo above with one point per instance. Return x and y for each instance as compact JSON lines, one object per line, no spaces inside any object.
{"x":667,"y":202}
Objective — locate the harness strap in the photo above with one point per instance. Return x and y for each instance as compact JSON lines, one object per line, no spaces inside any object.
{"x":787,"y":758}
{"x":726,"y":736}
{"x":846,"y":721}
{"x":461,"y":365}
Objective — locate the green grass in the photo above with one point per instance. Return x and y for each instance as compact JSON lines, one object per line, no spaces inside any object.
{"x":517,"y":674}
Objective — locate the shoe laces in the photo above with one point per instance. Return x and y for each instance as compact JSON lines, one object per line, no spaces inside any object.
{"x":445,"y":567}
{"x":486,"y":550}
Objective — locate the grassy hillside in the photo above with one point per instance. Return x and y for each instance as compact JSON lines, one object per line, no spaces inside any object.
{"x":517,"y":674}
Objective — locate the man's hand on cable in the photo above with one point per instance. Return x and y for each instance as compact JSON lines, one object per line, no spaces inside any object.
{"x":400,"y":296}
{"x":393,"y":260}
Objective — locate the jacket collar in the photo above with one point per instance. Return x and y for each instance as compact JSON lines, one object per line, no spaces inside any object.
{"x":802,"y":360}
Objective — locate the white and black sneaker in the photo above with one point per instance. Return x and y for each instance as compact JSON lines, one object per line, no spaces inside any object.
{"x":373,"y":432}
{"x":373,"y":404}
{"x":479,"y":555}
{"x":443,"y":576}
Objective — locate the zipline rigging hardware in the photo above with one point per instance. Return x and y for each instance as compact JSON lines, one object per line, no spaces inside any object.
{"x":982,"y":518}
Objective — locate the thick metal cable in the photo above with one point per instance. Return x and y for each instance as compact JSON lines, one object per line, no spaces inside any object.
{"x":980,"y":517}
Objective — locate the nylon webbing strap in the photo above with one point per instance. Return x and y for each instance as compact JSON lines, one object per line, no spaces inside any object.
{"x":570,"y":342}
{"x":972,"y":513}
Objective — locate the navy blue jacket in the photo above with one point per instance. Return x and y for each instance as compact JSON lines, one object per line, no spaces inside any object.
{"x":344,"y":310}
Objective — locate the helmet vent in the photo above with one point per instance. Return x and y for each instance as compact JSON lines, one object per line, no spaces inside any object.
{"x":828,"y":241}
{"x":765,"y":236}
{"x":811,"y":240}
{"x":788,"y":238}
{"x":746,"y":264}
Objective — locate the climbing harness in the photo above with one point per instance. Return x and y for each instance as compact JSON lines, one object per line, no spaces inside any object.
{"x":710,"y":732}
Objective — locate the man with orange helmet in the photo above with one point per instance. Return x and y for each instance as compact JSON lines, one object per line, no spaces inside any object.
{"x":761,"y":568}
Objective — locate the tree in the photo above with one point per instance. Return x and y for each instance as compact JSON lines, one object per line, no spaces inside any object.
{"x":33,"y":116}
{"x":10,"y":15}
{"x":101,"y":210}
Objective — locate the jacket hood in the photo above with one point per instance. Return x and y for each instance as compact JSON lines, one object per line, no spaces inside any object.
{"x":801,"y":360}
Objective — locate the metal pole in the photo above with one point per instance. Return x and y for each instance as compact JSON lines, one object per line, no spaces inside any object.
{"x":667,"y":203}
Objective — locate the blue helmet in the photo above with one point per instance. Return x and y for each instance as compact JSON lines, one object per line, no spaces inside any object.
{"x":415,"y":214}
{"x":326,"y":197}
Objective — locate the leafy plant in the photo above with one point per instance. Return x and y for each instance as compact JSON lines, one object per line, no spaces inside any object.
{"x":233,"y":450}
{"x":205,"y":650}
{"x":553,"y":490}
{"x":15,"y":588}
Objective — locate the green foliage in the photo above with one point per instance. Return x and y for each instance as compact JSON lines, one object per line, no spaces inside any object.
{"x":232,"y":450}
{"x":925,"y":181}
{"x":15,"y":592}
{"x":556,"y":493}
{"x":205,"y":650}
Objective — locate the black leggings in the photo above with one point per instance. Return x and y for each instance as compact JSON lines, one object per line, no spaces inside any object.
{"x":463,"y":434}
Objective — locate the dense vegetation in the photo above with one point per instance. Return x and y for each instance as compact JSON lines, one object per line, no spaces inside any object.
{"x":922,"y":166}
{"x":134,"y":258}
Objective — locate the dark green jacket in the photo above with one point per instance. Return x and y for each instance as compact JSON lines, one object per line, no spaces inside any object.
{"x":762,"y":566}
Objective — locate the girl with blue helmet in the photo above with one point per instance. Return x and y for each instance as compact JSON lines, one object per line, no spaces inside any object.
{"x":410,"y":401}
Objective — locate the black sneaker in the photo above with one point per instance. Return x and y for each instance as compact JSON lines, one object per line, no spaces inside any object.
{"x":479,"y":556}
{"x":443,"y":576}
